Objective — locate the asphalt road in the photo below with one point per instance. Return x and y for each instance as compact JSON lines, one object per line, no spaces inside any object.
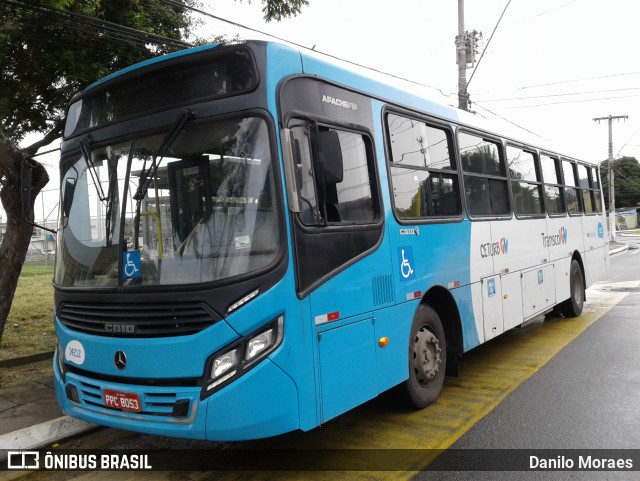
{"x":586,"y":397}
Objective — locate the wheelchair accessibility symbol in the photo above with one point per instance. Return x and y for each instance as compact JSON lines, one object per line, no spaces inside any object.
{"x":131,"y":264}
{"x":405,"y":259}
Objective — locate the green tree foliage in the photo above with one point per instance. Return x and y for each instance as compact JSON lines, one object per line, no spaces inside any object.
{"x":626,"y":179}
{"x":51,"y":49}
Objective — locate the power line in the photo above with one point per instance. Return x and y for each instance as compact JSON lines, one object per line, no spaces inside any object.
{"x":512,"y":123}
{"x":579,"y":80}
{"x":627,"y":142}
{"x":108,"y":29}
{"x":251,"y":29}
{"x":573,"y":101}
{"x":561,"y":95}
{"x":487,"y":44}
{"x":542,"y":13}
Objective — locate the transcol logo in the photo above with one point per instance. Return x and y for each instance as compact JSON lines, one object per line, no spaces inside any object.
{"x":495,"y":248}
{"x":555,"y":240}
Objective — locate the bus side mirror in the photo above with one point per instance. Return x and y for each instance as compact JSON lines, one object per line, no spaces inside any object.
{"x":290,"y":168}
{"x":331,"y":155}
{"x":69,"y":191}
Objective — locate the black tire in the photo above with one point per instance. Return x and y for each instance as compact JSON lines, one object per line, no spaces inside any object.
{"x":427,"y":360}
{"x":572,"y":307}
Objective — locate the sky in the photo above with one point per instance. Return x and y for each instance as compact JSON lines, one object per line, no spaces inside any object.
{"x":562,"y":62}
{"x":550,"y":68}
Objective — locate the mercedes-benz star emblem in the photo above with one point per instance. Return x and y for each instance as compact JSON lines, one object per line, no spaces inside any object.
{"x":120,"y":360}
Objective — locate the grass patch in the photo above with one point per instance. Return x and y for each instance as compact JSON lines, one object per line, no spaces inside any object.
{"x":29,"y":328}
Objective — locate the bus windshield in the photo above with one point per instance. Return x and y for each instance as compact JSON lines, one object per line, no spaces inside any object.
{"x":206,"y":210}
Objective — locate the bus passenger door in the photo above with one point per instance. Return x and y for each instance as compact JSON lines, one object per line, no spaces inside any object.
{"x":342,"y":260}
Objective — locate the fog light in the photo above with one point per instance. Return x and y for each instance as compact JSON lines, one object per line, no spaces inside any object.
{"x":258,"y":344}
{"x":72,"y":393}
{"x":224,"y":363}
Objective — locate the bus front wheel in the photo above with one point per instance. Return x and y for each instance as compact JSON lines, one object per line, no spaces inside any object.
{"x":427,"y":359}
{"x":572,"y":307}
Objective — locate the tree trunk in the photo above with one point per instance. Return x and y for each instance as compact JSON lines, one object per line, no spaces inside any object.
{"x":14,"y":163}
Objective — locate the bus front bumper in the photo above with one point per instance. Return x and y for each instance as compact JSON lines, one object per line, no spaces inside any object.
{"x":261,"y":403}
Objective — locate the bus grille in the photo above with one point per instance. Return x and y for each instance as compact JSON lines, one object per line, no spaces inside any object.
{"x":137,"y":320}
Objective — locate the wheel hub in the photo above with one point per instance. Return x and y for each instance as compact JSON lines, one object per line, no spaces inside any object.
{"x":426,"y":356}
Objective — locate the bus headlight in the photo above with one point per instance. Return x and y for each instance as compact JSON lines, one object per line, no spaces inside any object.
{"x":231,"y":363}
{"x":224,"y":363}
{"x":258,"y":344}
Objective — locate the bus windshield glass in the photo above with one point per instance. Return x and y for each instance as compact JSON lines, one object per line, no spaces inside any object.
{"x":206,"y":210}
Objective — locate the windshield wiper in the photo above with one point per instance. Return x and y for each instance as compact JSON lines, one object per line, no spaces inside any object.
{"x":147,"y":175}
{"x":85,"y":147}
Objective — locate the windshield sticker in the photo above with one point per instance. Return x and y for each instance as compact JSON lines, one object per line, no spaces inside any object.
{"x":243,"y":242}
{"x":131,"y":265}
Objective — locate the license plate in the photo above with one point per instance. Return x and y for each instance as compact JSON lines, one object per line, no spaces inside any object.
{"x":126,"y":401}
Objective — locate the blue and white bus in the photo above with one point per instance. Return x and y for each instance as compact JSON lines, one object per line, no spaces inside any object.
{"x":254,"y":240}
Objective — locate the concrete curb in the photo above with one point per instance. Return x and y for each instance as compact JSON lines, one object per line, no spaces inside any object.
{"x":619,"y":249}
{"x":42,"y":434}
{"x":21,"y":361}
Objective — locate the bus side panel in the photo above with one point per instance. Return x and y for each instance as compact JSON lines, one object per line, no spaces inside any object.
{"x":516,"y":246}
{"x":595,"y":264}
{"x":347,"y":360}
{"x":595,"y":252}
{"x":262,"y":403}
{"x":468,"y":299}
{"x":519,"y":244}
{"x":427,"y":255}
{"x":481,"y":271}
{"x":392,"y":360}
{"x":563,"y":237}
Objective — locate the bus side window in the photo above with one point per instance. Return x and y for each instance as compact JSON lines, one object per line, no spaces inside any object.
{"x":422,"y":171}
{"x":553,"y":189}
{"x":335,"y":171}
{"x":572,"y":192}
{"x":485,"y":178}
{"x":526,"y":183}
{"x":596,"y":189}
{"x":586,"y":184}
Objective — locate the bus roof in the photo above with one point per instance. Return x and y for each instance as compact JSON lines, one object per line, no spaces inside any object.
{"x":380,"y":85}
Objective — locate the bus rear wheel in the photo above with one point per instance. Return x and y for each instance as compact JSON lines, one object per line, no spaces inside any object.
{"x":572,"y":307}
{"x":427,"y":359}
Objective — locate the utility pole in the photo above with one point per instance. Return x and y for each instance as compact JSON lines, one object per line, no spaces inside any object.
{"x":463,"y":97}
{"x":612,"y":200}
